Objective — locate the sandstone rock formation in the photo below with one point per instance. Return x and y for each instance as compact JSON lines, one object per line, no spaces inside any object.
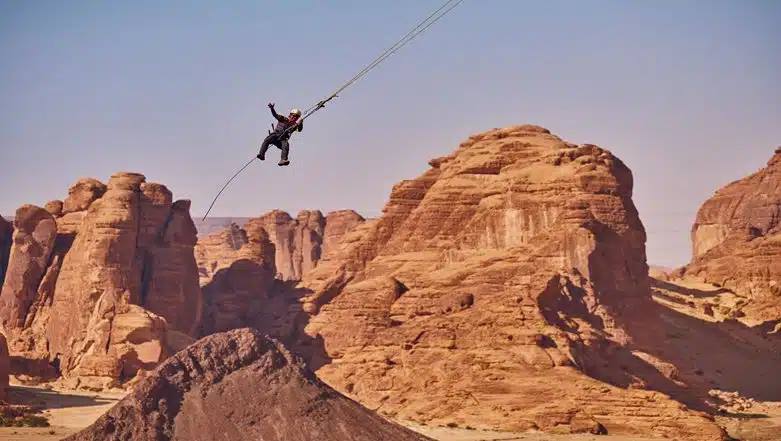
{"x":288,"y":246}
{"x":82,"y":194}
{"x":337,"y":225}
{"x":236,"y":268}
{"x":5,"y":367}
{"x":297,"y":241}
{"x":102,"y":290}
{"x":736,"y":241}
{"x":34,"y":235}
{"x":494,"y":292}
{"x":219,"y":250}
{"x":6,"y":239}
{"x":301,"y":242}
{"x":239,"y":270}
{"x":54,"y":208}
{"x":238,"y":385}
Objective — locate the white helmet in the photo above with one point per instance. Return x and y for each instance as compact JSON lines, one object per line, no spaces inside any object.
{"x":295,"y":112}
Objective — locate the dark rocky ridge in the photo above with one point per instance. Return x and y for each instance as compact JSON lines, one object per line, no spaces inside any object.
{"x":238,"y":385}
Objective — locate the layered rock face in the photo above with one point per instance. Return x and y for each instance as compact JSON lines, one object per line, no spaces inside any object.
{"x":6,"y":234}
{"x":237,"y":272}
{"x":100,"y":283}
{"x":301,"y":242}
{"x":487,"y":289}
{"x":245,"y":271}
{"x":238,"y":385}
{"x":5,"y":367}
{"x":34,"y":235}
{"x":736,"y":242}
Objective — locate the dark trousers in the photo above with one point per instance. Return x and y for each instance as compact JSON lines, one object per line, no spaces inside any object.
{"x":278,"y":142}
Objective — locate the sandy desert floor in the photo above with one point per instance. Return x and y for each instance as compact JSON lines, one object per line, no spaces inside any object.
{"x":69,"y":411}
{"x":447,"y":434}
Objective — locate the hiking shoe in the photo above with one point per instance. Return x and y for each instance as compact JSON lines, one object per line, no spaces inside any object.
{"x":283,"y":162}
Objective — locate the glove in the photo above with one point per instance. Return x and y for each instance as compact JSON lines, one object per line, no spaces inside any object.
{"x":270,"y":105}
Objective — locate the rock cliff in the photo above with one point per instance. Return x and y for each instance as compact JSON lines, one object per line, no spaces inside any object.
{"x":736,"y":240}
{"x":493,"y":292}
{"x":5,"y":367}
{"x":6,"y":235}
{"x":246,"y":272}
{"x":100,"y":285}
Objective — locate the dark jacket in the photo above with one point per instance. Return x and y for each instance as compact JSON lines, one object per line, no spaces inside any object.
{"x":284,"y":123}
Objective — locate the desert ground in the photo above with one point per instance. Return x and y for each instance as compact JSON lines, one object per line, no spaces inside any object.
{"x":69,"y":411}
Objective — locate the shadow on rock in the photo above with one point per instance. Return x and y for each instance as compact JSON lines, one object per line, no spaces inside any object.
{"x":691,"y":292}
{"x":686,"y":357}
{"x":246,"y":294}
{"x":51,"y":399}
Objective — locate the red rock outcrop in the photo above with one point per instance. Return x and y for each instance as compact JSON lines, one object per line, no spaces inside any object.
{"x":238,"y":385}
{"x":103,"y":290}
{"x":238,"y":267}
{"x":736,"y":242}
{"x":296,"y":241}
{"x":488,"y":290}
{"x":33,"y":242}
{"x":337,"y":225}
{"x":5,"y":367}
{"x":82,"y":194}
{"x":6,"y":239}
{"x":170,"y":273}
{"x":54,"y":208}
{"x":301,"y":242}
{"x":219,"y":250}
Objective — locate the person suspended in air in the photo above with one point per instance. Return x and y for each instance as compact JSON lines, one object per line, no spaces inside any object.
{"x":280,"y":136}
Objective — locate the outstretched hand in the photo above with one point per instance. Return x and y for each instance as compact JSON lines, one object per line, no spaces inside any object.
{"x":270,"y":105}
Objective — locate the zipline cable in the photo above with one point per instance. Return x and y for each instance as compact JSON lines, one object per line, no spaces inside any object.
{"x":421,"y":27}
{"x":226,"y":186}
{"x":409,"y":36}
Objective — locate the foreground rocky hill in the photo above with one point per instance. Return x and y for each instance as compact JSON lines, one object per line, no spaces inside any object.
{"x":736,"y":242}
{"x":238,"y":385}
{"x":102,"y":284}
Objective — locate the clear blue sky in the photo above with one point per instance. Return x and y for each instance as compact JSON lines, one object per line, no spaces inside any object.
{"x":686,"y":92}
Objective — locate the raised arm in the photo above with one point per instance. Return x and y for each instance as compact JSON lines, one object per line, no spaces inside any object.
{"x":275,"y":114}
